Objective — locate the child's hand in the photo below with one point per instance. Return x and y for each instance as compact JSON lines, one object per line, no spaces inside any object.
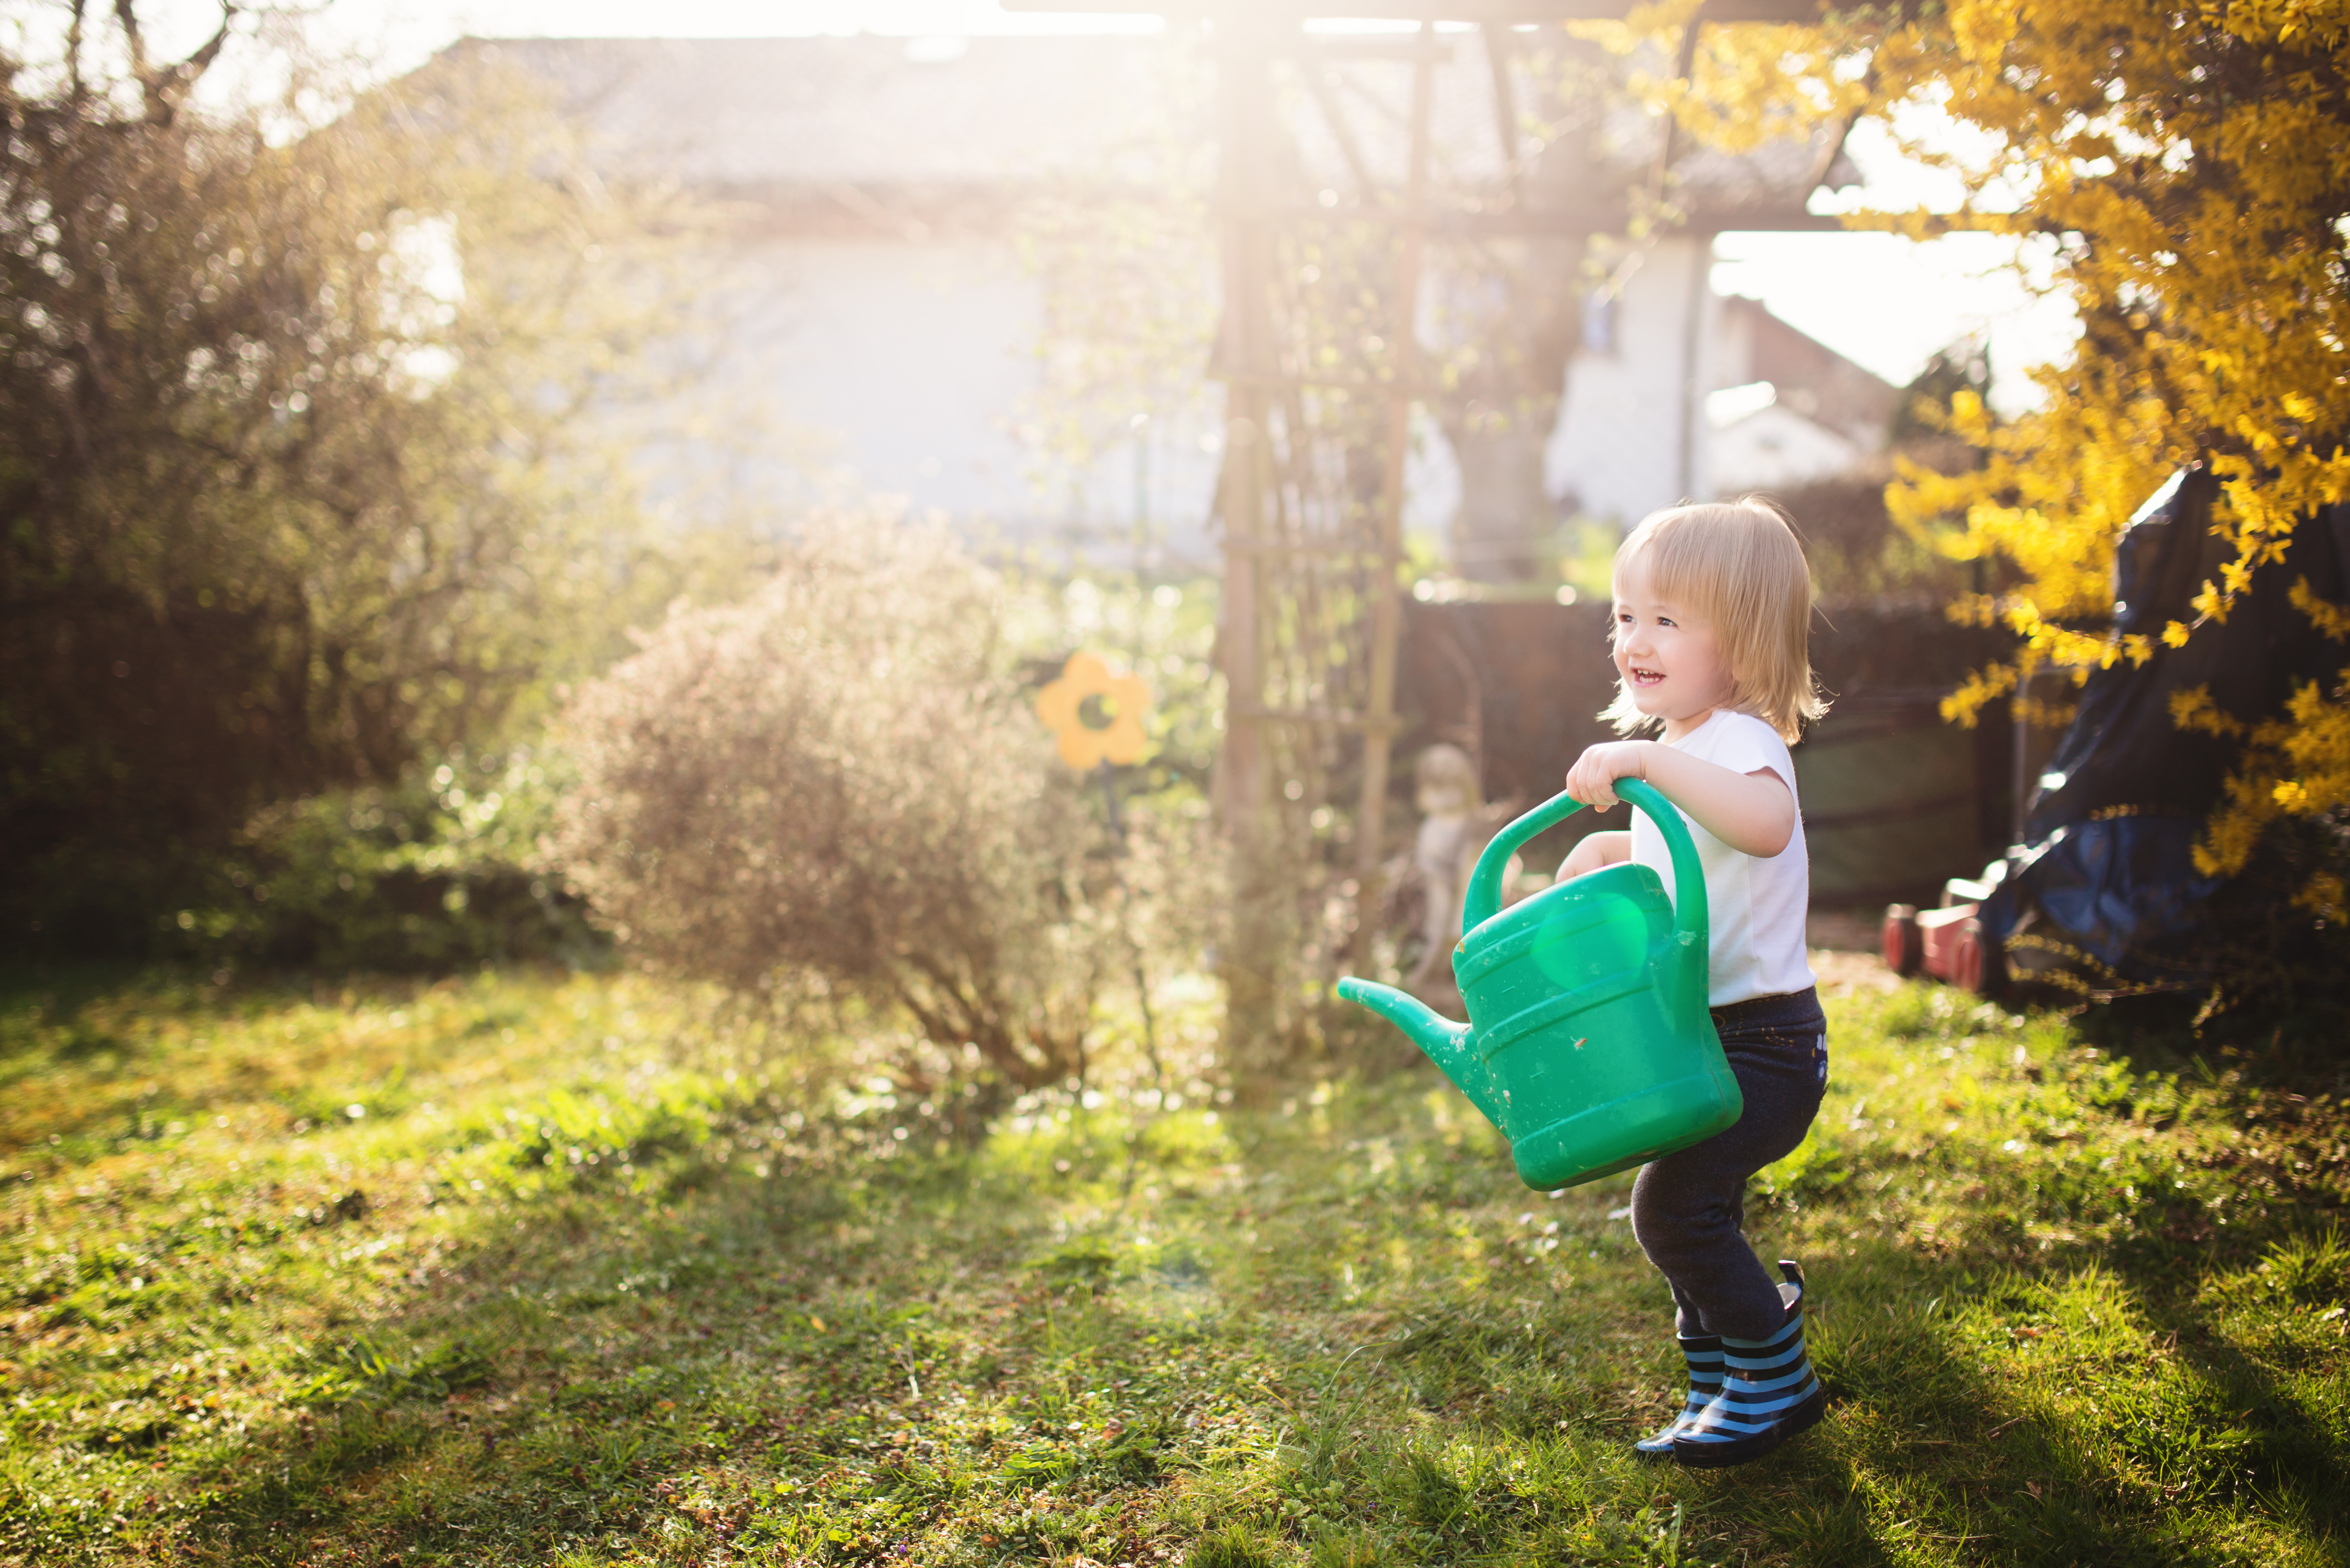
{"x":1593,"y":778}
{"x":1593,"y":851}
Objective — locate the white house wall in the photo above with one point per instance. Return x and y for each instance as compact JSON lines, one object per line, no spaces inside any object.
{"x":907,"y":370}
{"x":1631,"y":438}
{"x":903,"y":365}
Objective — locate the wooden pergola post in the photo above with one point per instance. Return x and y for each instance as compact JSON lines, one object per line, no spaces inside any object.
{"x":1386,"y":610}
{"x":1252,"y":962}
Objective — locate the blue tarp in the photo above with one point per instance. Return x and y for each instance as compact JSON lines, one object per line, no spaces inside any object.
{"x":2106,"y":867}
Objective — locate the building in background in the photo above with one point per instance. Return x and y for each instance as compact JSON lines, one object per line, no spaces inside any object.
{"x":883,"y":321}
{"x":888,"y":323}
{"x":1787,"y":410}
{"x":1679,"y":393}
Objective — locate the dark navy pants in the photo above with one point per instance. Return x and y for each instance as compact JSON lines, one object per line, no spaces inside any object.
{"x":1689,"y":1208}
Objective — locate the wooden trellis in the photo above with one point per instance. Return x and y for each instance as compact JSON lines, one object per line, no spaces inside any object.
{"x":1311,"y":498}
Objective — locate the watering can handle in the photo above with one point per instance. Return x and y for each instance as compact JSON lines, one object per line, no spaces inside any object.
{"x":1689,"y":912}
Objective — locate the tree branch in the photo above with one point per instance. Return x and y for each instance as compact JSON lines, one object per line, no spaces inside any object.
{"x":162,"y":88}
{"x":126,"y":12}
{"x":76,"y":89}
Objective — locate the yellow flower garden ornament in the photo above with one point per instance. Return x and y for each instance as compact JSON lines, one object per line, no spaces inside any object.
{"x":1095,"y":715}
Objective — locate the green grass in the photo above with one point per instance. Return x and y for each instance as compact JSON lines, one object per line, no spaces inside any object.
{"x":524,"y":1269}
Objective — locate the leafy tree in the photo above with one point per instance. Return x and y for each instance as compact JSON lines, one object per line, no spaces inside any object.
{"x":2190,"y":160}
{"x":1923,"y":415}
{"x":297,"y":480}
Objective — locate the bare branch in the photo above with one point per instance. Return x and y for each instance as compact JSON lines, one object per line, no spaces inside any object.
{"x":195,"y":64}
{"x":76,"y":89}
{"x":126,"y":12}
{"x":162,"y":88}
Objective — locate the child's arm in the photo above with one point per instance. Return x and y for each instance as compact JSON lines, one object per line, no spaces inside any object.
{"x":1594,"y":850}
{"x":1754,"y":812}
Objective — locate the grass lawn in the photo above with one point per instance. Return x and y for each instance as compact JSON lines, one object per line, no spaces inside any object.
{"x":542,"y":1270}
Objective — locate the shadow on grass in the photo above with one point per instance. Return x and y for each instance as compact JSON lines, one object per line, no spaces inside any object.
{"x":59,"y":995}
{"x":602,"y":1342}
{"x":2000,"y":1405}
{"x":1939,"y":1447}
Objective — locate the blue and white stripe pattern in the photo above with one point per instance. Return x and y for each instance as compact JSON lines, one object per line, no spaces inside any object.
{"x":1702,"y":1352}
{"x":1767,"y":1394}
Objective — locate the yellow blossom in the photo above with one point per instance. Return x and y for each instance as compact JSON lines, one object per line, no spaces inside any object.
{"x":2188,"y":164}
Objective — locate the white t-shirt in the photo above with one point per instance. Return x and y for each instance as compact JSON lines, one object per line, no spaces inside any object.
{"x":1756,"y":905}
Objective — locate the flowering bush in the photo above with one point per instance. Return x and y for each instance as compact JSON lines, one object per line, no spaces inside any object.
{"x":2178,"y":169}
{"x":839,"y":782}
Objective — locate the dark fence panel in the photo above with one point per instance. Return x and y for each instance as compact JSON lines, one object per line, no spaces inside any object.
{"x":1519,"y":687}
{"x":1894,"y":800}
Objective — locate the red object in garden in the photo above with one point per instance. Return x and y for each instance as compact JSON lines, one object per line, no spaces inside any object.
{"x":1947,"y":943}
{"x":1903,"y":947}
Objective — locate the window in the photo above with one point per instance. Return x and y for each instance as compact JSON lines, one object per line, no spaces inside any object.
{"x":1600,"y":322}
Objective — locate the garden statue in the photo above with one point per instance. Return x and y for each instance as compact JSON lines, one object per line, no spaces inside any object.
{"x":1452,"y":829}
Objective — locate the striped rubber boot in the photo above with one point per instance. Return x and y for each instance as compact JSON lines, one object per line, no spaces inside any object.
{"x":1768,"y":1393}
{"x":1703,"y":1354}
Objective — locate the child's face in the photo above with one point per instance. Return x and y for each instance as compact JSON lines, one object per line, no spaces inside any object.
{"x":1666,"y":655}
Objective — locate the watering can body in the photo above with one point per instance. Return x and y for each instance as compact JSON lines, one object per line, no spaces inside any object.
{"x":1589,"y":1042}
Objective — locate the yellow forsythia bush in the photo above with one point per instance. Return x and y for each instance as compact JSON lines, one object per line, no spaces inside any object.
{"x":2193,"y":162}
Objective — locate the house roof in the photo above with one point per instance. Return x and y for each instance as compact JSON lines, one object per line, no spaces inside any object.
{"x":750,"y":113}
{"x":876,"y":128}
{"x":1811,"y":379}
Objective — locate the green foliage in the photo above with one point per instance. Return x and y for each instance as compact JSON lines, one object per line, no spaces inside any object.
{"x":361,"y":1369}
{"x":287,"y":501}
{"x":440,"y":871}
{"x":1235,"y":1546}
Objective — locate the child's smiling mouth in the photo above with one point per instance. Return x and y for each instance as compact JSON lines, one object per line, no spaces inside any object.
{"x":1646,"y":676}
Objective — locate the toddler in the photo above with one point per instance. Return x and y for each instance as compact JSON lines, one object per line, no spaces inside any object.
{"x":1712,"y":608}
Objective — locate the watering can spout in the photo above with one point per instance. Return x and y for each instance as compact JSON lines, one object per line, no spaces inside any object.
{"x":1446,"y":1043}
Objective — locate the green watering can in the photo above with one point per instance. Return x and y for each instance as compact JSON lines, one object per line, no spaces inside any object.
{"x":1588,"y":1043}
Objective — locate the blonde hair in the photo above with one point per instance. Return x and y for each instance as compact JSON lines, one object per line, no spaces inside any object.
{"x":1738,"y":563}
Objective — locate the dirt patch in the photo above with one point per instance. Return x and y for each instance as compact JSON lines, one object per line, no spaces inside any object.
{"x":1841,"y":974}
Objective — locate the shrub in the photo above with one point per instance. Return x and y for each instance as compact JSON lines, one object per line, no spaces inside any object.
{"x":840,"y":782}
{"x":433,"y":873}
